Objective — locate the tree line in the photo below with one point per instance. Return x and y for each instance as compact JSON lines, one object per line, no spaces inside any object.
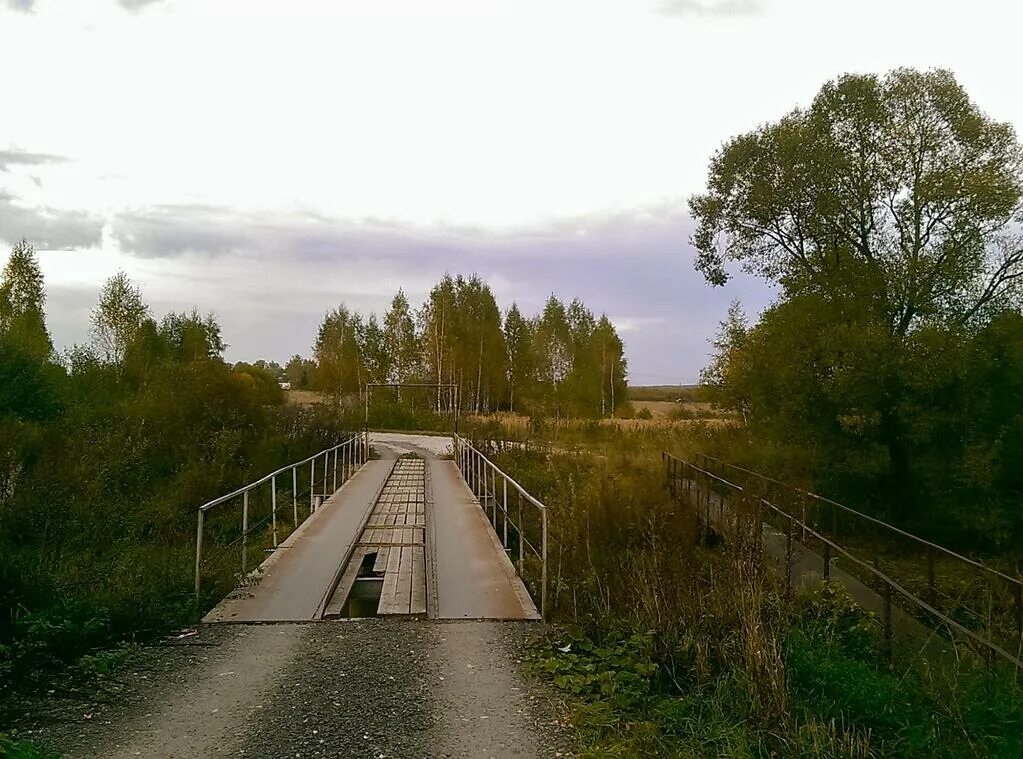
{"x":890,"y":368}
{"x":562,"y":361}
{"x":106,"y":450}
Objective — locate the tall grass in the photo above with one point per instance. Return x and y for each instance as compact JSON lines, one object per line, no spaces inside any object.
{"x":676,"y":648}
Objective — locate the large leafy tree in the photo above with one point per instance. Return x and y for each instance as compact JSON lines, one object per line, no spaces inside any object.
{"x":896,"y":188}
{"x":888,"y":212}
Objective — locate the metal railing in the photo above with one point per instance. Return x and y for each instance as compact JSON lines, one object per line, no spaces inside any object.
{"x":491,"y":487}
{"x":961,"y":587}
{"x":702,"y":487}
{"x":327,"y":471}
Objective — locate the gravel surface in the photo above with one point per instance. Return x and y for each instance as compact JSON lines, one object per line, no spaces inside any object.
{"x":359,"y":688}
{"x":428,"y":446}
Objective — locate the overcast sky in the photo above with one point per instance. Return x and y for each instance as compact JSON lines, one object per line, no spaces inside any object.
{"x":267,"y":161}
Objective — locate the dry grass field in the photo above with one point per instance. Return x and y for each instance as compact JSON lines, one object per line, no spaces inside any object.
{"x":305,"y":397}
{"x":662,"y":413}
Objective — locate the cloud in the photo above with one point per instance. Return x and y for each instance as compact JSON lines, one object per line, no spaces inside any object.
{"x":175,"y":230}
{"x":48,"y":228}
{"x":134,"y":5}
{"x":10,"y":158}
{"x":636,"y":323}
{"x":25,"y":6}
{"x":709,"y":7}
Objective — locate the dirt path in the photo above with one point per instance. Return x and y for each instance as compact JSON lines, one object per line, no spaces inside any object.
{"x":362,"y":688}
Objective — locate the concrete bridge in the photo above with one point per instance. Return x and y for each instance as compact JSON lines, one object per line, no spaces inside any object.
{"x":390,"y":622}
{"x":404,"y":534}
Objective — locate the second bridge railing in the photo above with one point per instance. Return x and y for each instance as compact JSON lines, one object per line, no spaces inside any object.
{"x":509,"y":506}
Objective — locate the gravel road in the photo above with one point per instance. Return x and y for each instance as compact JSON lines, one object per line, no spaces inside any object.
{"x":358,"y":688}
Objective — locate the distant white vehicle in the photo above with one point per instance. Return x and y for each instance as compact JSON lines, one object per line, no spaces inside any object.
{"x":285,"y":385}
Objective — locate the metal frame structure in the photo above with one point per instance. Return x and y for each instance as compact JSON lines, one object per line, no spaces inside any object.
{"x":348,"y":457}
{"x":483,"y":475}
{"x":698,"y":484}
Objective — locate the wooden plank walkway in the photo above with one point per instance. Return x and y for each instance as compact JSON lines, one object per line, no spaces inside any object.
{"x":392,"y":547}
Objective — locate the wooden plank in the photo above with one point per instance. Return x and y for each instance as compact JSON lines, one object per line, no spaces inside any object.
{"x":380,"y":565}
{"x":344,"y":587}
{"x":418,"y":602}
{"x":404,"y":589}
{"x":388,"y":595}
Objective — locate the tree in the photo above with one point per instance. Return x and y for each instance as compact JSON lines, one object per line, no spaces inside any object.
{"x":891,"y":200}
{"x":728,"y":342}
{"x":898,"y":189}
{"x":613,"y":368}
{"x":272,"y":367}
{"x":339,"y":361}
{"x":194,"y":337}
{"x":436,"y":319}
{"x":518,"y":340}
{"x":400,"y":340}
{"x":378,"y":360}
{"x":299,"y":372}
{"x":117,"y":317}
{"x":552,"y":341}
{"x":22,"y":300}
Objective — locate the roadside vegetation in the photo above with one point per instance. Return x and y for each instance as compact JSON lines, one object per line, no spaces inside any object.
{"x":105,"y":454}
{"x":668,"y":646}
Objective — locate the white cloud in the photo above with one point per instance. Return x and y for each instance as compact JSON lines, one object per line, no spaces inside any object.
{"x":626,"y":324}
{"x":709,"y":7}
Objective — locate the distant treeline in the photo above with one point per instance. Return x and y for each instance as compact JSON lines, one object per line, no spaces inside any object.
{"x":106,"y":451}
{"x":561,"y":362}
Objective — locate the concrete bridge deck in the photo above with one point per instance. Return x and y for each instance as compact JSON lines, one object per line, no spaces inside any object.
{"x":353,"y":541}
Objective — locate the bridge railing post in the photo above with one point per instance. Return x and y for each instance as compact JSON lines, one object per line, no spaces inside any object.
{"x":543,"y":565}
{"x":198,"y":551}
{"x":294,"y":493}
{"x":245,"y":529}
{"x":273,"y":507}
{"x":493,"y":495}
{"x":312,"y":484}
{"x":505,"y":509}
{"x":522,"y":539}
{"x":326,"y":467}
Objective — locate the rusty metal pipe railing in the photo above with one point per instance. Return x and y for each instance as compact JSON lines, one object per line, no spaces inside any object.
{"x":688,"y":472}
